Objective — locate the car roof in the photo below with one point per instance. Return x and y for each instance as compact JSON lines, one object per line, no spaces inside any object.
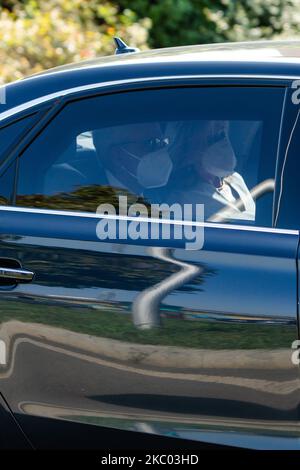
{"x":261,"y":58}
{"x":271,"y":51}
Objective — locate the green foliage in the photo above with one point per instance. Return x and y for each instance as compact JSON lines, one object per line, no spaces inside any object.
{"x":180,"y":22}
{"x":109,"y":323}
{"x":40,"y":35}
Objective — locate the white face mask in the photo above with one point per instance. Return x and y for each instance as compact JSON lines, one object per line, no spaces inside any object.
{"x":219,"y":159}
{"x":154,"y":169}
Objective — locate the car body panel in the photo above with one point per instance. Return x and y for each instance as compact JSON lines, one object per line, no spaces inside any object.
{"x":76,"y":356}
{"x":220,"y":368}
{"x":11,"y":434}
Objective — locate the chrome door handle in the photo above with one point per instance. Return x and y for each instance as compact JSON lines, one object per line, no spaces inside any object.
{"x":16,"y":274}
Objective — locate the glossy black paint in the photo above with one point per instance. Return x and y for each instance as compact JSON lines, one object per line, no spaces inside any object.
{"x":218,"y":369}
{"x":11,"y":434}
{"x":74,"y":353}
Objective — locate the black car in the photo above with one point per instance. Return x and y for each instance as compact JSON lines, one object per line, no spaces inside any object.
{"x":149,"y":234}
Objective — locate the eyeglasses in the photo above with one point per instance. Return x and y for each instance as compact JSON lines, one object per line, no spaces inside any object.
{"x":140,"y":148}
{"x":158,"y":143}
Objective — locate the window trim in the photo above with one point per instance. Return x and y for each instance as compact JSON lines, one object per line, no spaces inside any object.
{"x":150,"y":79}
{"x":39,"y":117}
{"x":91,"y":215}
{"x":21,"y":135}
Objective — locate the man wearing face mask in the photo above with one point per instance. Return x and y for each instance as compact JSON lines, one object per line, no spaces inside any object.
{"x":208,"y":175}
{"x":135,"y":156}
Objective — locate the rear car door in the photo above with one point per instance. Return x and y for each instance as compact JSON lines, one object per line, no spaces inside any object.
{"x":186,"y":336}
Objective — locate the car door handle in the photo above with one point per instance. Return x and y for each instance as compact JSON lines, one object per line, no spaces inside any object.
{"x":16,"y":274}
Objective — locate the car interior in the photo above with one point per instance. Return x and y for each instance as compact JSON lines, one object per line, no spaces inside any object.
{"x":79,"y":165}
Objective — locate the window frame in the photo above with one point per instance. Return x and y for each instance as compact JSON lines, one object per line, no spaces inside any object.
{"x":284,"y":195}
{"x":56,"y":104}
{"x":10,"y":156}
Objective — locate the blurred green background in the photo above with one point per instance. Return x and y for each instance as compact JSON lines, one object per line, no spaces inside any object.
{"x":36,"y":35}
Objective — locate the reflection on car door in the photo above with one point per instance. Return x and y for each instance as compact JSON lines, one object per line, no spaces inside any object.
{"x":213,"y":361}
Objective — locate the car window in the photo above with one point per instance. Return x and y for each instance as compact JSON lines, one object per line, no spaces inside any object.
{"x":199,"y":145}
{"x":287,"y":214}
{"x":10,"y":133}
